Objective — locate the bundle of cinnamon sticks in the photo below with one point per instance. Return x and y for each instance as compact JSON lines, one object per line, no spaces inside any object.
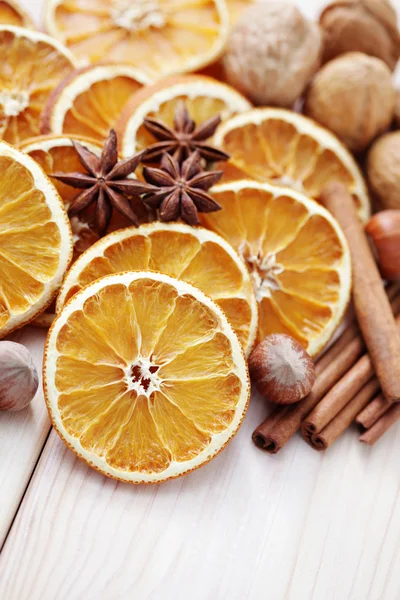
{"x":358,"y":378}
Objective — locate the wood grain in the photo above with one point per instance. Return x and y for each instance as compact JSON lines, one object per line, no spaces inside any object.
{"x":299,"y":525}
{"x":22,"y":436}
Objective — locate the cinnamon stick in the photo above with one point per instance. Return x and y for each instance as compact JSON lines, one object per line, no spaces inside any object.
{"x":390,"y":417}
{"x":343,"y":420}
{"x":338,"y":396}
{"x":283,"y":422}
{"x":371,"y":304}
{"x":372,"y":412}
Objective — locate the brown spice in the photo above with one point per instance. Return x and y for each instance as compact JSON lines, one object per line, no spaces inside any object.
{"x":373,"y":310}
{"x":184,"y":139}
{"x":371,"y":413}
{"x":105,"y":183}
{"x":343,"y":419}
{"x":180,"y":190}
{"x":382,"y":425}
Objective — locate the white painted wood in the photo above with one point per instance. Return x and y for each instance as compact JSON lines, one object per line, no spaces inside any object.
{"x":296,"y":526}
{"x":300,"y":525}
{"x":22,"y":436}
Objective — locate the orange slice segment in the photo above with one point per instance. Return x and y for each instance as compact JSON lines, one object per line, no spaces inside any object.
{"x":203,"y":96}
{"x":144,"y":377}
{"x":89,"y":101}
{"x":195,"y":255}
{"x":11,"y":13}
{"x":32,"y":65}
{"x":159,"y":37}
{"x":35,"y":240}
{"x":283,"y":147}
{"x":297,"y":256}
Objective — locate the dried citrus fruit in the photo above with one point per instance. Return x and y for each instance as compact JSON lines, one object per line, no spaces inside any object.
{"x":297,"y":256}
{"x":195,"y":255}
{"x":89,"y":101}
{"x":32,"y":64}
{"x":11,"y":13}
{"x":144,"y":377}
{"x":285,"y":148}
{"x":157,"y":36}
{"x":35,"y":239}
{"x":203,"y":96}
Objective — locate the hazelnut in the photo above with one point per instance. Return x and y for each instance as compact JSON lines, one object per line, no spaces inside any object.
{"x":353,"y":96}
{"x":19,"y":380}
{"x":281,"y":369}
{"x":368,"y":26}
{"x":384,"y":230}
{"x":272,"y":53}
{"x":383,"y":169}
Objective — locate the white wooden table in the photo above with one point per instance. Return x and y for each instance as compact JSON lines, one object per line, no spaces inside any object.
{"x":296,"y":526}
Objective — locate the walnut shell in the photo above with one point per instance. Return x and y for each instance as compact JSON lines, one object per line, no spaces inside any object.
{"x":383,"y":169}
{"x":273,"y":51}
{"x":353,"y":96}
{"x":368,"y":26}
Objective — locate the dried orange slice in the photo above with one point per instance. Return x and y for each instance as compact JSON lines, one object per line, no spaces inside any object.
{"x":193,"y":254}
{"x":35,"y":239}
{"x":285,"y":148}
{"x":203,"y":96}
{"x":159,"y":37}
{"x":89,"y":101}
{"x":32,"y":64}
{"x":11,"y":13}
{"x":144,"y":378}
{"x":297,"y":256}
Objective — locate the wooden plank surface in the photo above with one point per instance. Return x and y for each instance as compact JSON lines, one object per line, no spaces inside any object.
{"x":22,"y":436}
{"x":300,"y":525}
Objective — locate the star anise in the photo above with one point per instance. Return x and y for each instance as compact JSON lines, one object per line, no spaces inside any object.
{"x":181,"y":190}
{"x":105,"y":183}
{"x":184,"y":139}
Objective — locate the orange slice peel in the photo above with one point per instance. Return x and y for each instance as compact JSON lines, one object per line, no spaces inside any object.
{"x":285,"y":148}
{"x":150,"y":391}
{"x":35,"y":240}
{"x":297,"y":255}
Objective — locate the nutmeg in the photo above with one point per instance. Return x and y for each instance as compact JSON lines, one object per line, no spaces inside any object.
{"x":353,"y":96}
{"x":368,"y":26}
{"x":272,"y":53}
{"x":383,"y":169}
{"x":19,"y":380}
{"x":281,"y":369}
{"x":384,"y":230}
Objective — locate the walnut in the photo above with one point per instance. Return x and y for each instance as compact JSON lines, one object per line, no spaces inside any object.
{"x":368,"y":26}
{"x":383,"y":169}
{"x":353,"y":96}
{"x":272,"y":53}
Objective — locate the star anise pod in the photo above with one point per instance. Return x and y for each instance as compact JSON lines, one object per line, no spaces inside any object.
{"x":105,"y":183}
{"x":184,"y":139}
{"x":181,"y":190}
